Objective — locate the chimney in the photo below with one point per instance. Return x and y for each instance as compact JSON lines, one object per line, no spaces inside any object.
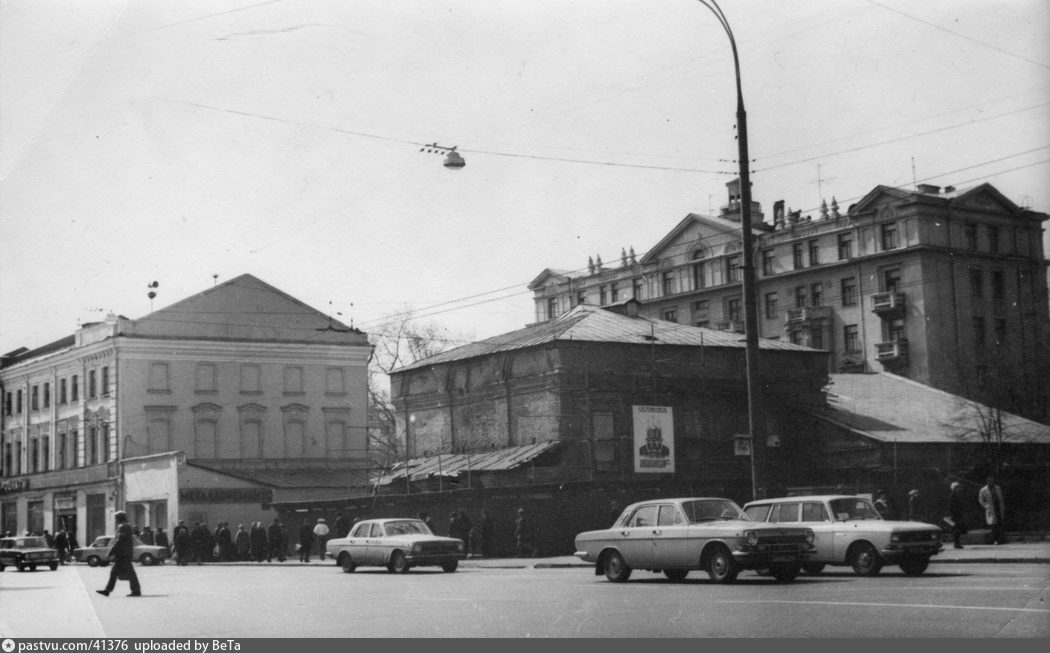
{"x":778,"y":214}
{"x":929,"y":188}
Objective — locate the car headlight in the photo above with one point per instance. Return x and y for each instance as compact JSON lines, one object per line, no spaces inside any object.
{"x":751,"y":538}
{"x":460,"y":546}
{"x":809,"y":537}
{"x":895,"y":537}
{"x":417,"y":548}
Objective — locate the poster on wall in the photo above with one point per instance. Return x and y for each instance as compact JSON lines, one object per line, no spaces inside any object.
{"x":654,"y":439}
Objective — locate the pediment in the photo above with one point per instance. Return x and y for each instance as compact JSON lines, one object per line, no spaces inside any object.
{"x":695,"y":237}
{"x":986,"y":198}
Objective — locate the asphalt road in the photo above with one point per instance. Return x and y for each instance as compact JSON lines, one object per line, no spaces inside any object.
{"x":950,"y":600}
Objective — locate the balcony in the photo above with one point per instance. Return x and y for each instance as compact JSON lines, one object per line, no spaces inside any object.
{"x":807,"y":315}
{"x":895,"y":351}
{"x":888,"y":304}
{"x":734,"y":326}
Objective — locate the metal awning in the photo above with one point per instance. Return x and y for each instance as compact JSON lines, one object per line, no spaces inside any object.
{"x":453,"y":465}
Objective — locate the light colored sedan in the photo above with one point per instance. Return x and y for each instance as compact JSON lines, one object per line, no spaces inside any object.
{"x":97,"y":555}
{"x":397,"y":544}
{"x":850,"y":531}
{"x":675,"y":536}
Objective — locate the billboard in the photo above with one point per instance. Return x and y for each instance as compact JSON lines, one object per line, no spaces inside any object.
{"x":654,"y":439}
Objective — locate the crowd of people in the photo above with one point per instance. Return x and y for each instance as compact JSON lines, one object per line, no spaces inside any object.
{"x":989,"y":498}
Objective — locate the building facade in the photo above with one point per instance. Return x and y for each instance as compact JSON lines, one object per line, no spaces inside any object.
{"x":235,"y":381}
{"x":947,"y":287}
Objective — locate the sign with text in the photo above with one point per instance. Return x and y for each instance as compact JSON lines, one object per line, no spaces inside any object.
{"x":654,"y":439}
{"x":226,"y":495}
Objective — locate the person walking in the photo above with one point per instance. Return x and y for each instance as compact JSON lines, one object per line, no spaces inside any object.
{"x":523,"y":535}
{"x":306,"y":540}
{"x":122,"y":552}
{"x":275,"y":541}
{"x":956,"y":514}
{"x":991,"y":499}
{"x":243,"y":542}
{"x":61,"y":544}
{"x":321,"y":535}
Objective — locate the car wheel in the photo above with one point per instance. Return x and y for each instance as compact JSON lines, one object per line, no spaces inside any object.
{"x":21,"y":567}
{"x":914,"y":566}
{"x":615,"y":568}
{"x":720,"y":566}
{"x":53,"y":566}
{"x":398,"y":563}
{"x":2,"y":567}
{"x":450,"y":565}
{"x":346,"y":563}
{"x":786,"y":573}
{"x":93,"y":561}
{"x":866,"y":561}
{"x":676,"y":574}
{"x":813,"y":568}
{"x":147,"y":559}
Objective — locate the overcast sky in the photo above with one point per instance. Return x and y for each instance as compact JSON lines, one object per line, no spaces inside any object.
{"x":173,"y":141}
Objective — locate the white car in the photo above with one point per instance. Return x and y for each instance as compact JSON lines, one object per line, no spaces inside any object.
{"x":849,"y":530}
{"x":97,"y":555}
{"x":397,"y":544}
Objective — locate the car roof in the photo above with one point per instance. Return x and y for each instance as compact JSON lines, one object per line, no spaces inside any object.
{"x":808,"y":497}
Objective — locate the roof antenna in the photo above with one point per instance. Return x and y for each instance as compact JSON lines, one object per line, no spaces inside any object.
{"x":351,"y":315}
{"x":214,"y":278}
{"x":152,"y":293}
{"x":914,"y":181}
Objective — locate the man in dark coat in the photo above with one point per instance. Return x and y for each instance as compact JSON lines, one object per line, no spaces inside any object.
{"x":243,"y":541}
{"x":225,"y":542}
{"x":147,"y":535}
{"x":956,"y":515}
{"x":275,"y":537}
{"x":341,"y":527}
{"x":523,"y":534}
{"x":459,"y":527}
{"x":61,"y":544}
{"x":183,"y":544}
{"x":306,"y":540}
{"x":122,"y":552}
{"x":161,"y":539}
{"x":201,"y":542}
{"x":257,"y":538}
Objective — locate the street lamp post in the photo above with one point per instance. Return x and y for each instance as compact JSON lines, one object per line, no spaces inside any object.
{"x":756,"y":426}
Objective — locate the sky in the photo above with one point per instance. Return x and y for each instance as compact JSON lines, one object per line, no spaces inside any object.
{"x":190,"y":142}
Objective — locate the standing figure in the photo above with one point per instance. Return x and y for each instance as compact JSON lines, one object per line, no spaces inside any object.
{"x":275,"y":541}
{"x":991,"y":499}
{"x":306,"y":540}
{"x":425,"y":516}
{"x":523,"y":535}
{"x":956,"y":514}
{"x":147,"y":536}
{"x":459,"y":527}
{"x":243,"y":542}
{"x":225,"y":541}
{"x":882,"y":504}
{"x":61,"y":544}
{"x":488,"y":535}
{"x":161,"y":539}
{"x":201,"y":543}
{"x":321,"y":535}
{"x":259,"y":545}
{"x":183,"y":543}
{"x":341,"y":525}
{"x":915,"y":508}
{"x":122,"y":551}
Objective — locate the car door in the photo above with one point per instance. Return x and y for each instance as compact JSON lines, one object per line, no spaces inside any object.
{"x":635,"y":538}
{"x":356,"y":543}
{"x":672,"y":547}
{"x":816,"y":517}
{"x":376,"y":551}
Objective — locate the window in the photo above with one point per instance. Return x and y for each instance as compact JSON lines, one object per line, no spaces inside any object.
{"x":8,"y":403}
{"x":644,"y":516}
{"x":62,"y":392}
{"x":771,"y":305}
{"x":814,"y":511}
{"x":733,"y":269}
{"x":796,"y":256}
{"x":603,"y":295}
{"x":894,"y":330}
{"x":784,"y":512}
{"x":816,"y":338}
{"x":849,"y":291}
{"x":998,"y":290}
{"x":669,"y":283}
{"x":733,"y":310}
{"x":817,"y":294}
{"x":34,"y":398}
{"x":92,"y":435}
{"x":92,"y":384}
{"x":105,"y":381}
{"x":333,"y":381}
{"x":800,"y":296}
{"x":75,"y":462}
{"x":978,"y":331}
{"x":63,"y":443}
{"x":851,"y":339}
{"x":1000,"y":332}
{"x":34,"y":456}
{"x":293,"y":380}
{"x":637,"y":288}
{"x":700,"y":312}
{"x":74,"y":389}
{"x":250,"y":378}
{"x":976,"y":283}
{"x":970,"y":231}
{"x":993,"y":239}
{"x":614,"y":292}
{"x":699,"y":281}
{"x":845,"y":246}
{"x":891,"y":280}
{"x":889,"y":236}
{"x":581,"y":297}
{"x":47,"y":395}
{"x":18,"y":403}
{"x":768,"y":260}
{"x":552,"y":307}
{"x":814,"y":252}
{"x":671,"y":315}
{"x":205,"y":377}
{"x":158,"y":378}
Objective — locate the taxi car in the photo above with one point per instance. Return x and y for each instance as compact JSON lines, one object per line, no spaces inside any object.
{"x":26,"y":553}
{"x":850,"y":531}
{"x":676,"y":536}
{"x":397,"y":544}
{"x":97,"y":555}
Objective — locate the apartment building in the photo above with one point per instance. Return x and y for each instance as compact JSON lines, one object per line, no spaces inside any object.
{"x":947,"y":287}
{"x":189,"y":412}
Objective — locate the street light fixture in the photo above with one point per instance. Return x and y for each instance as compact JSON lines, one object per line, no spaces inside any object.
{"x":756,"y":426}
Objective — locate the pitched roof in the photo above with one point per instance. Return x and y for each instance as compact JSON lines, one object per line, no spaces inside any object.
{"x":459,"y":464}
{"x":295,"y":478}
{"x":587,"y":323}
{"x":891,"y":408}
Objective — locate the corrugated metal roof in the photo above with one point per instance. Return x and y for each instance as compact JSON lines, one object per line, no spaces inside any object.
{"x":298,"y":478}
{"x":457,"y":464}
{"x":892,"y":408}
{"x":587,"y":323}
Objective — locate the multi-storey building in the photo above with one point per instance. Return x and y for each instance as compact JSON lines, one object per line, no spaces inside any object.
{"x":944,"y":286}
{"x":169,"y":416}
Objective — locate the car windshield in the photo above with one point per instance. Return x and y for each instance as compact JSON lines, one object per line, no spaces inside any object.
{"x":702,"y":510}
{"x":407,"y":527}
{"x":30,"y":543}
{"x":853,"y":508}
{"x":100,"y":542}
